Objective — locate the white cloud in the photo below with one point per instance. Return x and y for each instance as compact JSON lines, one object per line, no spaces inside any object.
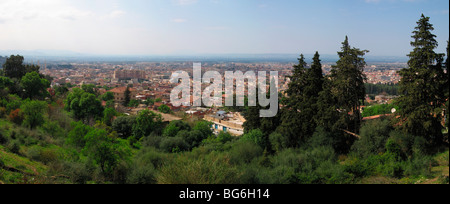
{"x":63,"y":25}
{"x":51,"y":10}
{"x":116,"y":14}
{"x":13,"y":10}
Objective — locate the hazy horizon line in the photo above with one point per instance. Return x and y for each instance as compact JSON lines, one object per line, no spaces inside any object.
{"x":68,"y":53}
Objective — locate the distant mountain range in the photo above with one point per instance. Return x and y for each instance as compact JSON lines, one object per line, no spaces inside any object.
{"x":62,"y":55}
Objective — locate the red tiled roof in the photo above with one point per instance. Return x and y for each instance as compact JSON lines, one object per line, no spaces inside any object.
{"x":120,"y":90}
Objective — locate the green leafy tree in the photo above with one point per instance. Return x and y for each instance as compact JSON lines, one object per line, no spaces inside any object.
{"x":149,"y":102}
{"x":174,"y":127}
{"x":108,"y":96}
{"x":224,"y":137}
{"x":105,"y":150}
{"x":123,"y":125}
{"x":34,"y":86}
{"x":146,"y":123}
{"x":257,"y":137}
{"x":374,"y":135}
{"x":76,"y":136}
{"x":204,"y":127}
{"x":5,"y":85}
{"x":174,"y":144}
{"x":108,"y":115}
{"x":33,"y":112}
{"x":422,"y":87}
{"x":84,"y":106}
{"x":89,"y":88}
{"x":134,"y":103}
{"x":61,"y":90}
{"x":193,"y":138}
{"x":164,"y":109}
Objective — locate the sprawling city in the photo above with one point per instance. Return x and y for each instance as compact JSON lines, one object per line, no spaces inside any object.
{"x":354,"y":106}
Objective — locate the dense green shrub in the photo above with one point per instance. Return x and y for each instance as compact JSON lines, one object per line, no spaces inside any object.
{"x":13,"y":146}
{"x":123,"y":125}
{"x":321,"y":138}
{"x":419,"y":165}
{"x":214,"y":169}
{"x":405,"y":141}
{"x":193,"y":138}
{"x":153,"y":141}
{"x":3,"y":139}
{"x":53,"y":129}
{"x":395,"y":149}
{"x":33,"y":112}
{"x":244,"y":152}
{"x":309,"y":166}
{"x":145,"y":167}
{"x":76,"y":136}
{"x":174,"y":144}
{"x":204,"y":127}
{"x":374,"y":135}
{"x":256,"y":136}
{"x":174,"y":127}
{"x":146,"y":123}
{"x":77,"y":172}
{"x":106,"y":151}
{"x":34,"y":153}
{"x":224,"y":137}
{"x":375,"y":165}
{"x":278,"y":142}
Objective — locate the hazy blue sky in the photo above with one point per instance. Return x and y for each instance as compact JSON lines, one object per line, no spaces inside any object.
{"x":149,"y":27}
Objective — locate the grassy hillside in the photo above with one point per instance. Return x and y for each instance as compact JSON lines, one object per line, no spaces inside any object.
{"x":25,"y":155}
{"x":18,"y":169}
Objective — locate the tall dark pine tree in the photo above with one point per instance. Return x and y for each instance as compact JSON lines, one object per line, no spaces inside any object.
{"x":348,"y":85}
{"x":314,"y":80}
{"x":313,"y":85}
{"x":252,"y":119}
{"x":292,"y":120}
{"x":447,"y":85}
{"x":422,"y":87}
{"x":298,"y":121}
{"x":127,"y":98}
{"x":296,"y":85}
